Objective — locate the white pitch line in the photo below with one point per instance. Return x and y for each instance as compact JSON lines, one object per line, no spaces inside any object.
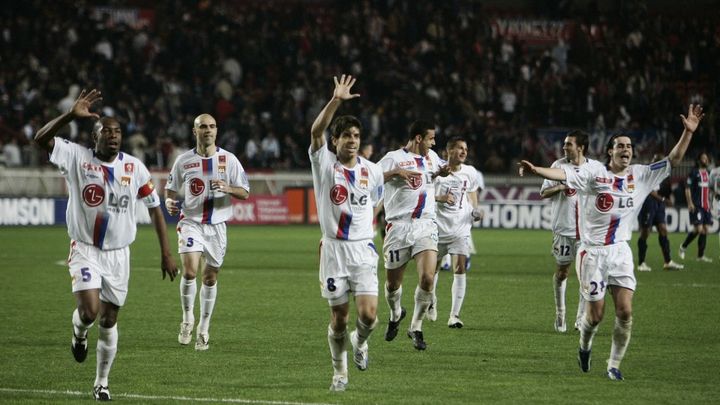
{"x":159,"y":397}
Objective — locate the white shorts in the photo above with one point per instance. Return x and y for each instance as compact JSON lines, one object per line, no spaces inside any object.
{"x":564,"y":249}
{"x":459,"y":246}
{"x":601,"y":266}
{"x":404,"y":240}
{"x":107,"y":270}
{"x":347,"y":266}
{"x":209,"y":239}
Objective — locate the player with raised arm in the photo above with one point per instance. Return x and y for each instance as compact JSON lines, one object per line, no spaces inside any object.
{"x":105,"y":185}
{"x":457,"y":209}
{"x":347,"y":189}
{"x":652,"y":214}
{"x":609,"y":198}
{"x":412,"y":233}
{"x":209,"y":176}
{"x":566,"y":236}
{"x":697,"y":194}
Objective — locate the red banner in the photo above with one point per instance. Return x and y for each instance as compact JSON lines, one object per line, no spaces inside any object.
{"x":260,"y":209}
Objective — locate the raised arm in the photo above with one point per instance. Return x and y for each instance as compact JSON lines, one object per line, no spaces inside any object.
{"x":690,"y":124}
{"x":545,"y":172}
{"x":340,"y":94}
{"x":81,"y":109}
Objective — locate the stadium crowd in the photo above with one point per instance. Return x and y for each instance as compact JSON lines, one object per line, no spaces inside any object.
{"x":260,"y":67}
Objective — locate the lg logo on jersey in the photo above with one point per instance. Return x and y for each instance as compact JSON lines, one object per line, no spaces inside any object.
{"x":197,"y":186}
{"x":604,"y":202}
{"x":339,"y":194}
{"x":94,"y":195}
{"x":116,"y":202}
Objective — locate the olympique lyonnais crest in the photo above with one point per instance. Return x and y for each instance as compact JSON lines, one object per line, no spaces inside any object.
{"x":630,"y":184}
{"x":125,"y":180}
{"x":129,"y":167}
{"x":221,"y":168}
{"x":363,"y":178}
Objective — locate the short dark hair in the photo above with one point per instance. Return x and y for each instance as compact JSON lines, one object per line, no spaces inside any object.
{"x":611,"y":143}
{"x":454,"y":140}
{"x":420,"y":127}
{"x":581,"y":139}
{"x":343,"y":123}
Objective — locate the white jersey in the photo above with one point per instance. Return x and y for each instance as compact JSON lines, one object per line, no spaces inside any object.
{"x":609,"y":203}
{"x":101,"y":206}
{"x":456,"y":220}
{"x":410,"y":200}
{"x":565,"y":208}
{"x":480,"y":180}
{"x":345,"y":197}
{"x":715,"y":187}
{"x":203,"y":205}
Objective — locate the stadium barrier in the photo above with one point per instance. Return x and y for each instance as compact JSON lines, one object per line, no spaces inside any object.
{"x":39,"y":197}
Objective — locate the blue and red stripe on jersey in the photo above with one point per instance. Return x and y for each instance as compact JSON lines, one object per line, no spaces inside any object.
{"x":349,"y":176}
{"x":612,"y":230}
{"x":420,"y":162}
{"x":100,"y":229}
{"x":417,"y":212}
{"x":618,"y":183}
{"x":343,"y":231}
{"x":207,"y":167}
{"x":208,"y":207}
{"x":108,"y":174}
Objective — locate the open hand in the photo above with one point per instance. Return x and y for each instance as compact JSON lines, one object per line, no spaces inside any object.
{"x":695,"y":114}
{"x":343,"y":86}
{"x":81,"y":108}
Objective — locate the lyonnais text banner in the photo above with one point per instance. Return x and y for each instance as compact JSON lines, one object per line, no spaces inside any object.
{"x":51,"y":211}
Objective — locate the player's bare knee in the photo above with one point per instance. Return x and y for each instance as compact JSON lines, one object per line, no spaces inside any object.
{"x":624,"y":314}
{"x":427,"y":283}
{"x":88,"y":314}
{"x":338,"y":321}
{"x":108,"y":320}
{"x":367,"y":315}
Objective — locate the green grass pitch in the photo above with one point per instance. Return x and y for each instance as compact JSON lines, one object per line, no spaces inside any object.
{"x":268,"y":333}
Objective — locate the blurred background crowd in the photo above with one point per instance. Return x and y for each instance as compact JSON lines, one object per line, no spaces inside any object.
{"x":264,"y":70}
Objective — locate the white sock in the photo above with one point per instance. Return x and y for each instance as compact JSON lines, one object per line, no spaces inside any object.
{"x":106,"y":349}
{"x":581,"y":306}
{"x":364,"y":331}
{"x":587,"y":332}
{"x":79,"y":327}
{"x":458,"y":294}
{"x":207,"y":304}
{"x":393,"y":299}
{"x":435,"y":280}
{"x":559,"y":288}
{"x":338,"y":350}
{"x":188,"y":288}
{"x":423,"y":299}
{"x":620,"y":342}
